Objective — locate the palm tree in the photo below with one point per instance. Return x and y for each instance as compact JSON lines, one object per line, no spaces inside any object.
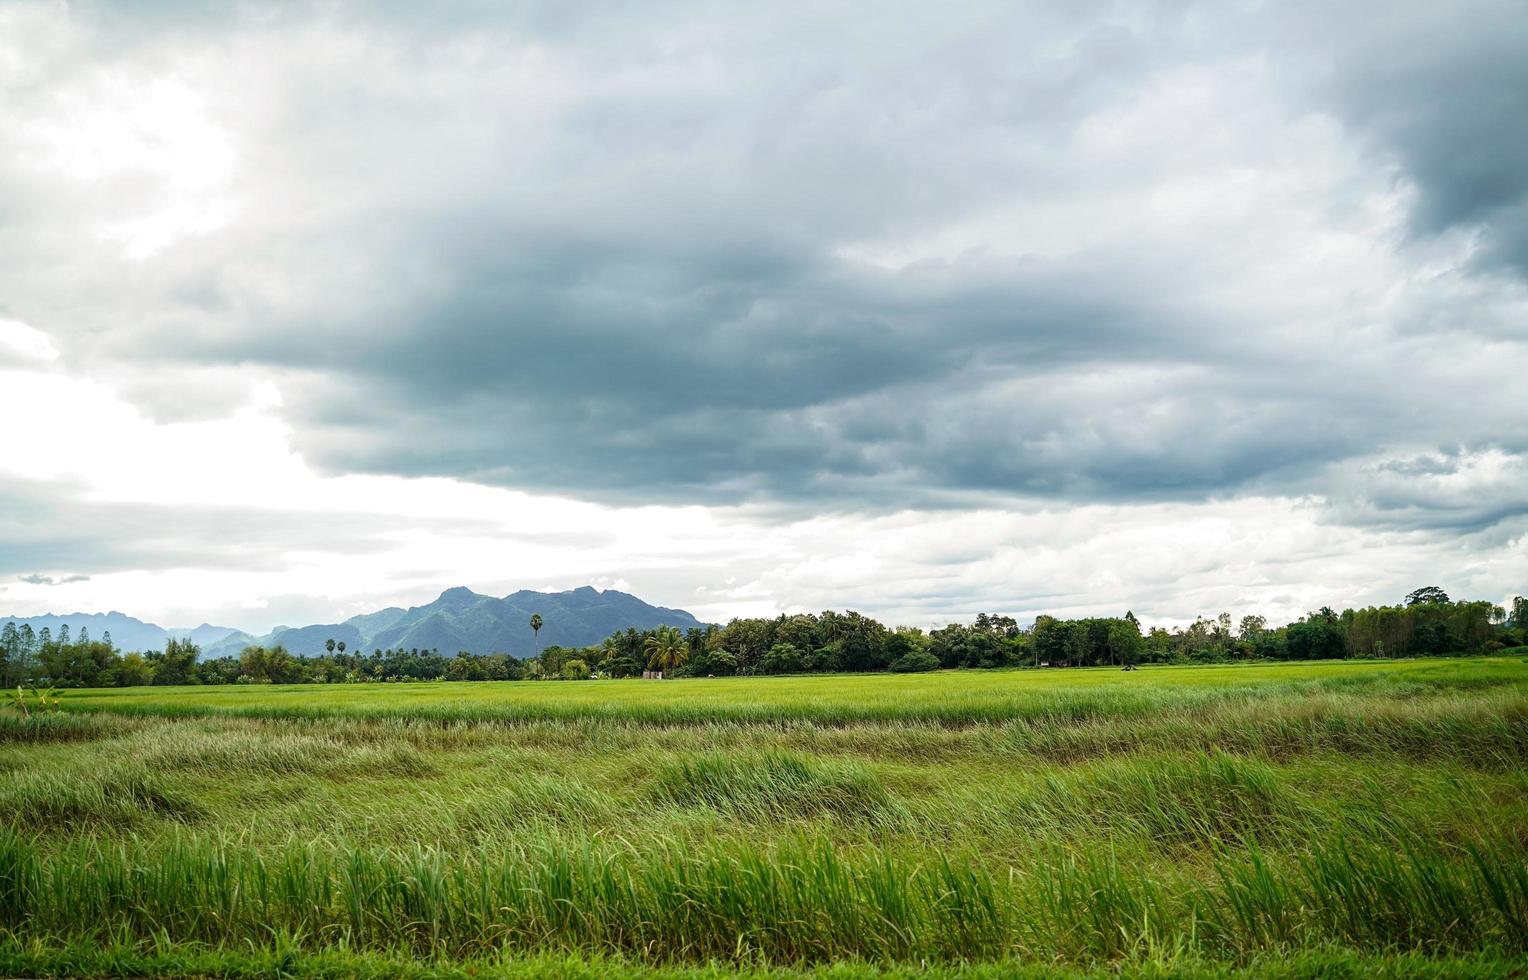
{"x":340,"y":646}
{"x":610,"y":648}
{"x":536,"y":630}
{"x":665,"y":649}
{"x":329,"y":644}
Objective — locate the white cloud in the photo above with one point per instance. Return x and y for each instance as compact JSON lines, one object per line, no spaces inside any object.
{"x":1023,"y":309}
{"x":1168,"y":561}
{"x":17,"y":340}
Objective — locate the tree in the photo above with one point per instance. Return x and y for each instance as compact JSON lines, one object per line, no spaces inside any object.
{"x":329,"y":645}
{"x":782,"y":658}
{"x":749,"y":640}
{"x":177,"y":665}
{"x":340,"y":646}
{"x":134,"y":671}
{"x":1427,"y":595}
{"x":799,"y":631}
{"x":1047,"y":639}
{"x":665,"y":649}
{"x":553,"y":657}
{"x":1223,"y":631}
{"x":721,"y":662}
{"x":29,"y":644}
{"x":1125,"y":641}
{"x":268,"y":666}
{"x":1316,"y":637}
{"x":608,"y":652}
{"x":536,"y":630}
{"x":10,"y":652}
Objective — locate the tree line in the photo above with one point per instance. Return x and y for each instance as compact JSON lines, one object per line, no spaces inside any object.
{"x":1427,"y":623}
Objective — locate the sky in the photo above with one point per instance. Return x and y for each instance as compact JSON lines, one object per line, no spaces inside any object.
{"x":921,"y":310}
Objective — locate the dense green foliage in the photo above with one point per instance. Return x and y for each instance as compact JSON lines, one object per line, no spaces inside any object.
{"x":1429,"y":624}
{"x":1352,"y":815}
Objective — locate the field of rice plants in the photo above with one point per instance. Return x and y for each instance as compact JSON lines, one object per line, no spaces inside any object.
{"x":1337,"y":819}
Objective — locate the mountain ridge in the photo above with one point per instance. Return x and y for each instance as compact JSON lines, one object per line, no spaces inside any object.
{"x":458,"y":619}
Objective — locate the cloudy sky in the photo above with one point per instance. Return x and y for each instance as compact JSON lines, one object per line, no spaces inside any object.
{"x":307,"y":309}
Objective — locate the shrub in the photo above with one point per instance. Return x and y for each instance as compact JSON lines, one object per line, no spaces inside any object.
{"x":575,"y":670}
{"x":915,"y":662}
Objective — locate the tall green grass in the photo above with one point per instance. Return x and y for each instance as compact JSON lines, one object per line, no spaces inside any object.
{"x":275,"y":752}
{"x":798,"y":901}
{"x":1245,"y":816}
{"x":38,"y":729}
{"x":119,"y":797}
{"x":774,"y":785}
{"x":1196,"y":799}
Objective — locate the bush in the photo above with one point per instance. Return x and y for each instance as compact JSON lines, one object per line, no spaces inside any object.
{"x":915,"y":662}
{"x":622,"y":667}
{"x":825,"y":660}
{"x":782,"y":658}
{"x":721,"y":663}
{"x":575,"y":670}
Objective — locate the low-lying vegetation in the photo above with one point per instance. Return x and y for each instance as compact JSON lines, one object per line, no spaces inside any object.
{"x":792,"y":901}
{"x":119,"y":797}
{"x":774,"y":786}
{"x":1354,"y":816}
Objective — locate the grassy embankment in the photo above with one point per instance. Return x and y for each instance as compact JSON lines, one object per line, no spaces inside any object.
{"x":1350,"y":817}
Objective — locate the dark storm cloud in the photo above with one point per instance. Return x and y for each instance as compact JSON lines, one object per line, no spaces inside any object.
{"x":599,"y":374}
{"x":1444,"y":88}
{"x":801,"y":256}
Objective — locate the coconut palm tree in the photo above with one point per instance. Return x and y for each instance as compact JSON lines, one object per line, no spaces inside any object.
{"x":610,"y":649}
{"x":536,"y":630}
{"x":665,"y":648}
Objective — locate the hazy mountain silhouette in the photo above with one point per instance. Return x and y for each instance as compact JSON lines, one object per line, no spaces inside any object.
{"x":461,"y":619}
{"x":126,"y":632}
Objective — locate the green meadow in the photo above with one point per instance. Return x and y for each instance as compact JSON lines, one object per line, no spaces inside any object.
{"x":959,"y":697}
{"x":1348,"y":818}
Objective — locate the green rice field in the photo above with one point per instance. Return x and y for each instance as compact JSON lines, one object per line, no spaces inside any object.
{"x":1353,"y":818}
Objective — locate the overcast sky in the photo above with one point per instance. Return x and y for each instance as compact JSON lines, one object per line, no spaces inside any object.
{"x":1073,"y":307}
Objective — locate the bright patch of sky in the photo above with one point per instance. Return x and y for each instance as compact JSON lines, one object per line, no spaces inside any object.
{"x":1066,"y":308}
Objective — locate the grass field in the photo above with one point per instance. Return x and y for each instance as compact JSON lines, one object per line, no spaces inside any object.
{"x":1342,"y":818}
{"x":952,"y":696}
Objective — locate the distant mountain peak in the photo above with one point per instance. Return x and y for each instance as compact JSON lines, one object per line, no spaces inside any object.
{"x":460,"y":619}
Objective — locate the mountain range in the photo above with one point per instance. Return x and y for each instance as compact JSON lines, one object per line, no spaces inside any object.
{"x":459,"y":619}
{"x":127,"y":633}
